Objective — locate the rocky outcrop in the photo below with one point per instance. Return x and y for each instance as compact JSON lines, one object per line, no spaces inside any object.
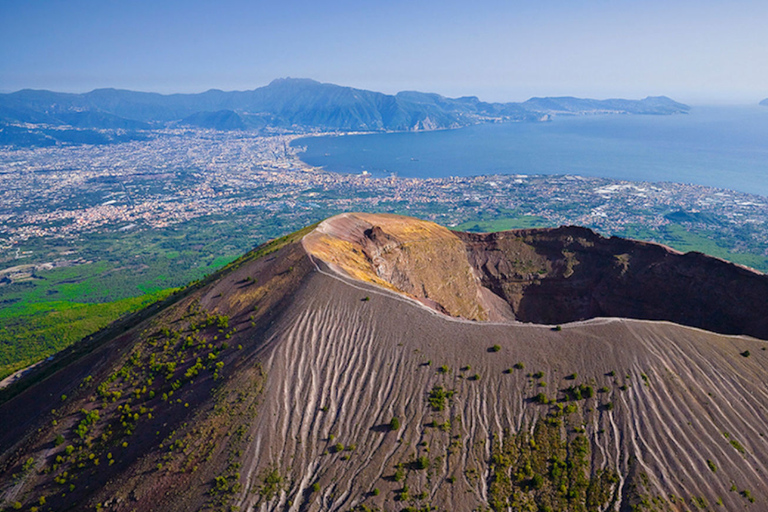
{"x":567,"y":274}
{"x":546,"y":276}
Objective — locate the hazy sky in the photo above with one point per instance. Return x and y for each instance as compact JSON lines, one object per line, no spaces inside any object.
{"x":698,"y":51}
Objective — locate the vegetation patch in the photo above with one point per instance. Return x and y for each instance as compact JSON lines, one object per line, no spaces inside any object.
{"x":41,"y":329}
{"x":438,"y":396}
{"x":547,"y":470}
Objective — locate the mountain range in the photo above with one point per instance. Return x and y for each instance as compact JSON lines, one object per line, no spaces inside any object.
{"x":378,"y":362}
{"x":285,"y":104}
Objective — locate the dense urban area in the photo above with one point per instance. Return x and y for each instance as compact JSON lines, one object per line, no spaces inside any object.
{"x":61,"y":194}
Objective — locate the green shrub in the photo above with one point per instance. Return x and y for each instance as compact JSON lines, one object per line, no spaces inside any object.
{"x":394,"y":424}
{"x":437,"y":398}
{"x":271,"y":487}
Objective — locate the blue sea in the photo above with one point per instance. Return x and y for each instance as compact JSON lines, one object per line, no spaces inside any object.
{"x":723,"y":147}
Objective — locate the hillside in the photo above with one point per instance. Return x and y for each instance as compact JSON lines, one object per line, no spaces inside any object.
{"x":338,"y":369}
{"x":286,"y":104}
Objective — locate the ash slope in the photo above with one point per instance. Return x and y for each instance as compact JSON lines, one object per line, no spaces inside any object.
{"x":604,"y":414}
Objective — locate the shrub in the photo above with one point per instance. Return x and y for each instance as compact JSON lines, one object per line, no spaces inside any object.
{"x":437,"y":398}
{"x":494,"y":348}
{"x":518,"y":366}
{"x":738,"y":446}
{"x":338,"y":447}
{"x":404,"y":495}
{"x":271,"y":487}
{"x":394,"y":424}
{"x":421,"y":463}
{"x":745,"y":353}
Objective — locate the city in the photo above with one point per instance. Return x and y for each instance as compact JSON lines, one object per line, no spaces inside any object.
{"x":62,"y":193}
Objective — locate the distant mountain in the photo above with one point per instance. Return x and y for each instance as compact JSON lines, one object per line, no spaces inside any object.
{"x":568,"y":105}
{"x":101,"y":120}
{"x":379,"y":362}
{"x":295,"y":105}
{"x":764,"y":102}
{"x":220,"y":120}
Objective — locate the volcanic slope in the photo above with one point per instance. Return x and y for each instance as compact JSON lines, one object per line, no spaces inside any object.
{"x":373,"y":362}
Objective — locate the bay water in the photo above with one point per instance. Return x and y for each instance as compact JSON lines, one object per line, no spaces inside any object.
{"x":722,"y":147}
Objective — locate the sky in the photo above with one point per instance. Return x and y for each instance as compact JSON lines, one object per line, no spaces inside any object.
{"x":699,"y":52}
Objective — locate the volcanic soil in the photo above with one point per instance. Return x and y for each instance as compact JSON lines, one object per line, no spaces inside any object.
{"x":377,"y":362}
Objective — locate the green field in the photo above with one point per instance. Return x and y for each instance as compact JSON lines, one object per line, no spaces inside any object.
{"x":30,"y":332}
{"x":677,"y":237}
{"x":504,"y":224}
